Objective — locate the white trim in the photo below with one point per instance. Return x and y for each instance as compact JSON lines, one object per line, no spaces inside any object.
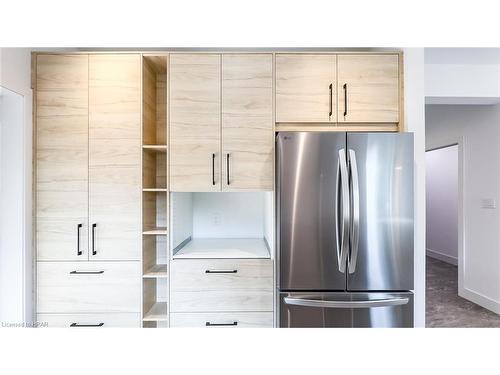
{"x":480,"y":299}
{"x":442,"y":257}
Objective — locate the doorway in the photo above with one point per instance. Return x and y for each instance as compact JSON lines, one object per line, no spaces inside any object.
{"x":444,"y":307}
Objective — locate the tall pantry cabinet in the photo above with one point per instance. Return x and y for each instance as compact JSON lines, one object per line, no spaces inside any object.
{"x":88,"y":189}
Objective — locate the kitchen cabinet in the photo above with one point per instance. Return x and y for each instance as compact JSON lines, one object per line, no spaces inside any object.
{"x":223,"y":320}
{"x":98,"y":320}
{"x":115,"y":149}
{"x":368,"y":88}
{"x":62,"y":157}
{"x":221,"y":127}
{"x":305,"y":88}
{"x":247,"y":122}
{"x":195,"y":100}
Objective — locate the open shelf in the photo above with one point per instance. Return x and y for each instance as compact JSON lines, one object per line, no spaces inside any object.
{"x":224,"y":248}
{"x":156,"y":271}
{"x":157,"y":313}
{"x":155,"y":148}
{"x":155,"y":190}
{"x":159,"y":231}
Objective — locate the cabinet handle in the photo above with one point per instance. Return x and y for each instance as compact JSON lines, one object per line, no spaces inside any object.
{"x":86,"y":272}
{"x":331,"y":99}
{"x":78,"y":251}
{"x":94,"y":252}
{"x":227,"y":167}
{"x":213,"y":169}
{"x":345,"y":99}
{"x":86,"y":325}
{"x":208,"y":324}
{"x":221,"y":271}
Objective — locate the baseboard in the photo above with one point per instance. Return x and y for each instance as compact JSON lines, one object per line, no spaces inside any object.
{"x":480,"y":300}
{"x":442,"y":257}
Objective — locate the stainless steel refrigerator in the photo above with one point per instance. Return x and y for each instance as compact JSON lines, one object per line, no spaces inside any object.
{"x":345,"y":229}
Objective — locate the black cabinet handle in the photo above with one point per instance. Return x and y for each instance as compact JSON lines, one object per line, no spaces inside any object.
{"x":221,"y":271}
{"x":227,"y":166}
{"x":208,"y":324}
{"x":86,"y":272}
{"x":86,"y":325}
{"x":78,"y":251}
{"x":345,"y":99}
{"x":94,"y":252}
{"x":331,"y":99}
{"x":213,"y":169}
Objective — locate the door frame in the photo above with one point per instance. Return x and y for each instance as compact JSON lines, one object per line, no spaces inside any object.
{"x":460,"y":142}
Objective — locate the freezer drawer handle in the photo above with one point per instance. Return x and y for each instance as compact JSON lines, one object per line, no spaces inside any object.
{"x":86,"y":325}
{"x":86,"y":272}
{"x":208,"y":324}
{"x":346,"y":304}
{"x":221,"y":271}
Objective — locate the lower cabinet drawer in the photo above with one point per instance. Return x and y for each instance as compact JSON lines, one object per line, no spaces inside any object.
{"x":88,"y":287}
{"x":243,"y":285}
{"x":132,"y":320}
{"x":224,"y":320}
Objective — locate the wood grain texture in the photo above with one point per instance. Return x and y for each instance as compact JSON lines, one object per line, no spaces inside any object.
{"x":117,"y":289}
{"x":243,"y":320}
{"x":194,"y":122}
{"x":115,"y":155}
{"x":302,"y":87}
{"x":110,"y":320}
{"x":194,"y":290}
{"x":372,"y":88}
{"x":61,"y":156}
{"x":247,"y":122}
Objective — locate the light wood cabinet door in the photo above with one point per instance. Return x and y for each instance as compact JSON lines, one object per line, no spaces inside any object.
{"x":305,"y":88}
{"x":61,"y":157}
{"x":247,"y":122}
{"x":115,"y":172}
{"x":195,"y":107}
{"x":222,"y":320}
{"x":372,"y":86}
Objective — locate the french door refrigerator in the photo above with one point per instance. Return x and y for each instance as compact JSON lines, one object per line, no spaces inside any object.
{"x":345,"y":229}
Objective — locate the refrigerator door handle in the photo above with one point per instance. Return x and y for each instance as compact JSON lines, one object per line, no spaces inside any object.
{"x":386,"y":302}
{"x":342,"y":192}
{"x":354,"y":181}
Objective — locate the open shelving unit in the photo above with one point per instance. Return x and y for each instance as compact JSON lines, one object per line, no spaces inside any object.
{"x":155,"y":199}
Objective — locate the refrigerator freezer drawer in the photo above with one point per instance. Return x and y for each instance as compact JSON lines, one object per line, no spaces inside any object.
{"x":346,"y":310}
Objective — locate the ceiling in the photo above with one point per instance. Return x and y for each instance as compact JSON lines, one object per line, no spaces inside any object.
{"x":462,"y":56}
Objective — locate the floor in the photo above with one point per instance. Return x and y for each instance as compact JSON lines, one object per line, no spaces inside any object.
{"x":444,"y":308}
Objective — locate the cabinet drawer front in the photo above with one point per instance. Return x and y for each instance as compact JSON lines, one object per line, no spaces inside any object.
{"x":221,"y":274}
{"x":77,"y":287}
{"x":132,"y":320}
{"x":222,"y":320}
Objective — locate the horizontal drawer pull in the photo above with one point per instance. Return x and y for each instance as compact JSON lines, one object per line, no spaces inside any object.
{"x":221,"y":271}
{"x":86,"y":325}
{"x":208,"y":324}
{"x":86,"y":272}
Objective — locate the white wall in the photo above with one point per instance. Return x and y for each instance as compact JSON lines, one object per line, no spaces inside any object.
{"x":441,"y":191}
{"x":415,"y":122}
{"x":477,"y":128}
{"x":15,"y":75}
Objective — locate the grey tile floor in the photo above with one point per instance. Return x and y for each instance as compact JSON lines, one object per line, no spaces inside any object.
{"x":444,"y":308}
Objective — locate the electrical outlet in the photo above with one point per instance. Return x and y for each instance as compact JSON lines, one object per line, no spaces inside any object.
{"x":216,"y":219}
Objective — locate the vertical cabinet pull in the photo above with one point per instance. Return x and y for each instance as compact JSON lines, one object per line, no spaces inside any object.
{"x":331,"y":99}
{"x":208,"y":324}
{"x":78,"y":251}
{"x":345,"y":99}
{"x":86,"y":325}
{"x":213,"y":169}
{"x":227,"y":167}
{"x":94,"y":252}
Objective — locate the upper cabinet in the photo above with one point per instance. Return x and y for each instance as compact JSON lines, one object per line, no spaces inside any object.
{"x":195,"y":104}
{"x":62,"y":157}
{"x":247,"y":122}
{"x":221,"y":122}
{"x":115,"y":149}
{"x":343,"y":88}
{"x":305,"y":88}
{"x":368,"y":88}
